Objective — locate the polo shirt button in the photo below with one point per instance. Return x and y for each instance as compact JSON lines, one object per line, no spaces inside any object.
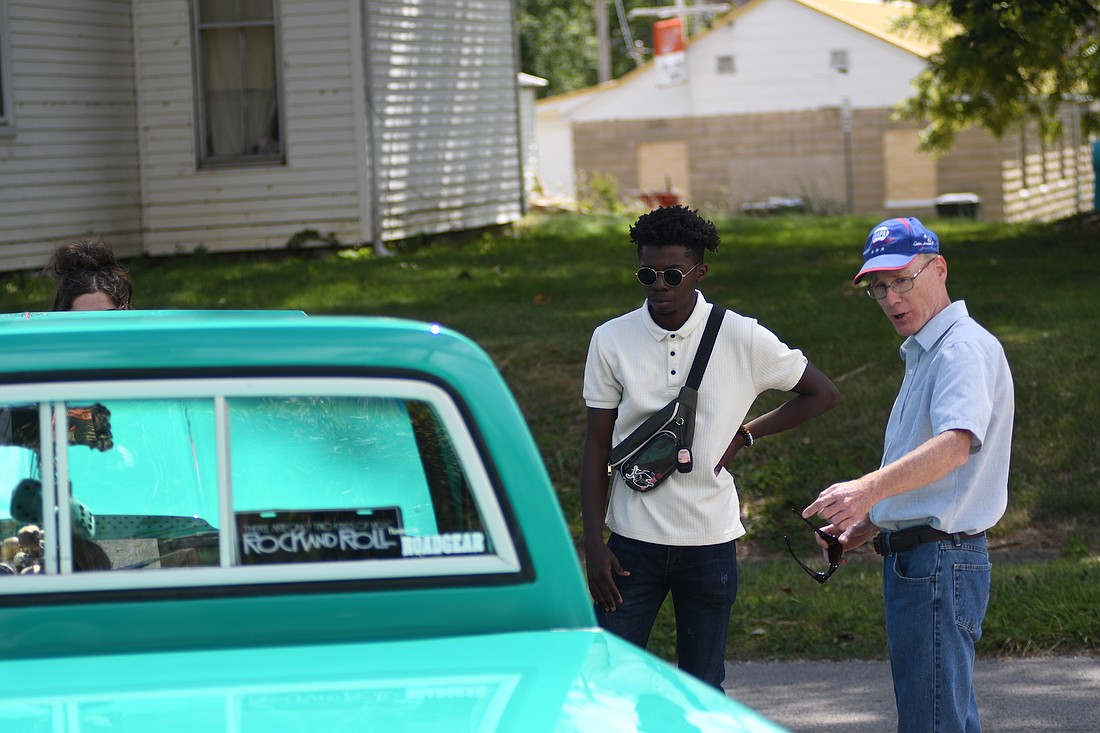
{"x":672,"y":353}
{"x":673,"y":371}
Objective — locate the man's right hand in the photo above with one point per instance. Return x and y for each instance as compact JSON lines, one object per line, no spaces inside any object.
{"x":856,"y":535}
{"x":602,"y":566}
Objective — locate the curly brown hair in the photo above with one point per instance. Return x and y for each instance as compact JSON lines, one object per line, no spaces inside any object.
{"x":87,"y":265}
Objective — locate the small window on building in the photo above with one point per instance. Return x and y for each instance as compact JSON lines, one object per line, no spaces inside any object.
{"x":6,"y":117}
{"x":725,"y":65}
{"x":838,"y":61}
{"x":238,"y":90}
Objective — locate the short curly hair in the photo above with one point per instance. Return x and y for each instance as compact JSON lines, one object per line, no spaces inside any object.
{"x":672,"y":225}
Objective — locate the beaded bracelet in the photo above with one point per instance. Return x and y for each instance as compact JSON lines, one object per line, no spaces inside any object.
{"x":747,"y":435}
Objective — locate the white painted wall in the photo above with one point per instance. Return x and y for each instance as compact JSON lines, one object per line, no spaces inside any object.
{"x":781,"y":51}
{"x":556,"y":171}
{"x":70,"y":165}
{"x":444,"y":114}
{"x":528,"y":85}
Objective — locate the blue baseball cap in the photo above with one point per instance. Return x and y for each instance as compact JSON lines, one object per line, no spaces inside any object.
{"x":894,"y":243}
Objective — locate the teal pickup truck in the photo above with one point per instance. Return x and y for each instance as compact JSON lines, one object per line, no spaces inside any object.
{"x":243,"y":521}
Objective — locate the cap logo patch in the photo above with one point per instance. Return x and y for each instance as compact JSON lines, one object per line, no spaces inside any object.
{"x":880,"y":234}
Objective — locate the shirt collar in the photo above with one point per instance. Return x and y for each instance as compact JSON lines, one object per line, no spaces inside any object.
{"x":934,"y":330}
{"x":698,"y":315}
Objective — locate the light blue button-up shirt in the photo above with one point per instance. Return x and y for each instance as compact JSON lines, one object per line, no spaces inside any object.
{"x":956,"y":378}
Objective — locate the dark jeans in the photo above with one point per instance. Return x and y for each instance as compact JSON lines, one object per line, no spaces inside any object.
{"x":703,"y":583}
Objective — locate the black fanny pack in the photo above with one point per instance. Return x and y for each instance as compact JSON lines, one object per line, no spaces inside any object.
{"x":662,"y":443}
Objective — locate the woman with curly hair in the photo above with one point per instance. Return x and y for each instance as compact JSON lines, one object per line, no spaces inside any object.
{"x":89,"y":277}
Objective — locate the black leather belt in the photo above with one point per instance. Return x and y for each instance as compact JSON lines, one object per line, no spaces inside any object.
{"x":903,"y":540}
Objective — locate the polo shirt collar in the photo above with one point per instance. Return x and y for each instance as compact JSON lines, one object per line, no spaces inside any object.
{"x":935,"y":329}
{"x":694,"y":321}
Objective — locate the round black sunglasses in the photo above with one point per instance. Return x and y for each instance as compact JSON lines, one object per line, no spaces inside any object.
{"x":673,"y":276}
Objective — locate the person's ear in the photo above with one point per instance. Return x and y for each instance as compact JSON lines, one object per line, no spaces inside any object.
{"x":701,"y":272}
{"x":940,"y":266}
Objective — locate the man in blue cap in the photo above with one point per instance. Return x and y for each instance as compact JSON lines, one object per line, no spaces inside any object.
{"x":942,"y":483}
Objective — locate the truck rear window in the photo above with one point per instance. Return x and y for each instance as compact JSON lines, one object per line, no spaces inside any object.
{"x":235,"y":481}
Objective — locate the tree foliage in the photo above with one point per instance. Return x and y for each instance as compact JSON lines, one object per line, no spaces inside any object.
{"x":1005,"y":63}
{"x":557,"y":41}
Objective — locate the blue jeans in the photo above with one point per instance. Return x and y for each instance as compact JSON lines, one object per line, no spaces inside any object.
{"x":703,"y":583}
{"x":936,"y":598}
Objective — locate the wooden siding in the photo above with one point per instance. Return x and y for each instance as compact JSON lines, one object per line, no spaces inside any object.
{"x":444,"y":115}
{"x":250,"y":207}
{"x":70,"y":166}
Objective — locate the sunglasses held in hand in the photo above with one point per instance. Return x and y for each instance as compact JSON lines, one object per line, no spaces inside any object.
{"x":835,"y":551}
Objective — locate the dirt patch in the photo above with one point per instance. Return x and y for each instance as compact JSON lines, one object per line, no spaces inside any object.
{"x":1033,"y":543}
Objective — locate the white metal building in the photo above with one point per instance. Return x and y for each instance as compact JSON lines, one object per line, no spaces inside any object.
{"x":170,"y":125}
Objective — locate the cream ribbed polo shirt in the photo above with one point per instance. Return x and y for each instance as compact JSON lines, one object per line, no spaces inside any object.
{"x":635,"y":366}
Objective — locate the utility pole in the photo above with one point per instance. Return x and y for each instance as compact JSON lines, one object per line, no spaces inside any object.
{"x":603,"y":43}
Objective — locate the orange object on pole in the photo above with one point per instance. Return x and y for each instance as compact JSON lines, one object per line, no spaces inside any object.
{"x":669,"y":56}
{"x":668,"y":36}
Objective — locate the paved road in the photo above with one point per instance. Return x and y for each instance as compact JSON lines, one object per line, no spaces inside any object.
{"x":1033,"y":694}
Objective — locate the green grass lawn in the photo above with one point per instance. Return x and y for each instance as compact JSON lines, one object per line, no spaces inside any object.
{"x":532,"y":293}
{"x":1052,"y":607}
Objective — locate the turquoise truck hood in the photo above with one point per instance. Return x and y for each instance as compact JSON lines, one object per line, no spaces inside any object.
{"x":524,"y":682}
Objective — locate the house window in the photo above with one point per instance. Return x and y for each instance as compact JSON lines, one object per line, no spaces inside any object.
{"x":725,"y":65}
{"x":7,"y":120}
{"x":838,"y":61}
{"x":239,"y":100}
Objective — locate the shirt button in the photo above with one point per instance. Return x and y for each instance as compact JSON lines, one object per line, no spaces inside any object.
{"x":672,"y":353}
{"x":672,"y":335}
{"x":673,"y":371}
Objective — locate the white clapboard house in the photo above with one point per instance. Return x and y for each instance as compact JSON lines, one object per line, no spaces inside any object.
{"x":171,"y":125}
{"x":794,"y":100}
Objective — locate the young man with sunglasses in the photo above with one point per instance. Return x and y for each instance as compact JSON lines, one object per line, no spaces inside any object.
{"x":680,"y":537}
{"x":942,"y":483}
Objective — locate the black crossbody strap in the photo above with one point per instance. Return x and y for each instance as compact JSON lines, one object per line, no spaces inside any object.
{"x":706,"y":345}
